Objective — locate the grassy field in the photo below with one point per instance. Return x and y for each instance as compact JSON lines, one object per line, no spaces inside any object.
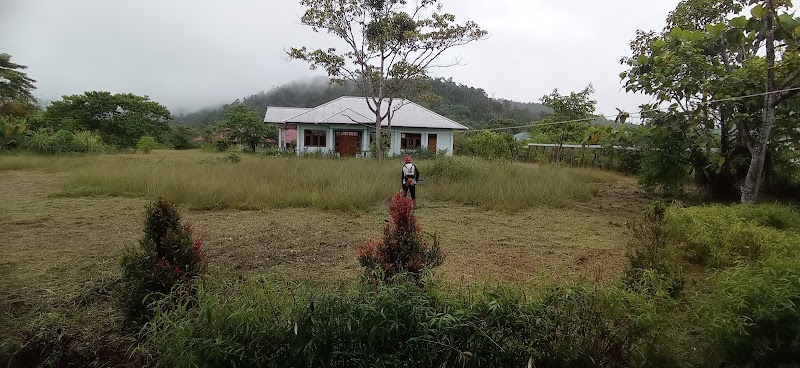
{"x":64,"y":222}
{"x":206,"y":181}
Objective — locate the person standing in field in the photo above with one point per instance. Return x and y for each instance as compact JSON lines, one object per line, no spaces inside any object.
{"x":410,"y":178}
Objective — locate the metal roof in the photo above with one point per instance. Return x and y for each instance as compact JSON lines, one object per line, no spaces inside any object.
{"x":354,"y":110}
{"x":280,"y":114}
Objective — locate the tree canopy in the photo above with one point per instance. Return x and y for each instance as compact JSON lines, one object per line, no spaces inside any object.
{"x":16,"y":89}
{"x":389,"y":45}
{"x":120,"y":119}
{"x":710,"y":54}
{"x":247,"y":126}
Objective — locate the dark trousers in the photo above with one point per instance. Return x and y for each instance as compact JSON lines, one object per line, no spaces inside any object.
{"x":410,"y":188}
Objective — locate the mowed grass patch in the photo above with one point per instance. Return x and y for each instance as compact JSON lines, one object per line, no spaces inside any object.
{"x":205,"y":181}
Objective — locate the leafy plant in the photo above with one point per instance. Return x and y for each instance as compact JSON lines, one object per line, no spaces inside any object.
{"x":166,"y":257}
{"x":402,"y":249}
{"x":87,"y":142}
{"x":12,"y":132}
{"x":654,"y":268}
{"x":146,"y":144}
{"x":752,"y":316}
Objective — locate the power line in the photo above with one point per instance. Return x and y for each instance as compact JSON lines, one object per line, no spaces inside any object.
{"x":639,"y":114}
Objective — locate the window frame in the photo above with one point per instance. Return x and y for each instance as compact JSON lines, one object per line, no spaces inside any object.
{"x":410,"y":143}
{"x":315,"y":138}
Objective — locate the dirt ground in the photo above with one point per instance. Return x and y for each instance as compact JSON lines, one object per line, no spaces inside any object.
{"x":59,"y":256}
{"x":50,"y":241}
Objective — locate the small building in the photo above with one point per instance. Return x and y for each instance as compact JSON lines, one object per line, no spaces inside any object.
{"x":346,"y":127}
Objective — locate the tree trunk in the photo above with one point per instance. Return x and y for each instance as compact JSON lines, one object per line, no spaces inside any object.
{"x":761,"y":142}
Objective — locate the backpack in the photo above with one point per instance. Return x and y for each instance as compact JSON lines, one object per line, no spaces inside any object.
{"x":409,"y":170}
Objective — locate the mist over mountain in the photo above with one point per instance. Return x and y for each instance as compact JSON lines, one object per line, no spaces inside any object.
{"x":468,"y":105}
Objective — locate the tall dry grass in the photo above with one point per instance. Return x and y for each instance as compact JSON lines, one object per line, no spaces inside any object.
{"x":202,"y":180}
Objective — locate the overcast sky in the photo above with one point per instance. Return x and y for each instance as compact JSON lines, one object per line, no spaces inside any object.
{"x":189,"y":54}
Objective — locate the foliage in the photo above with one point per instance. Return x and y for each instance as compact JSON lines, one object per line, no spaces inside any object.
{"x":16,"y":89}
{"x":182,"y":137}
{"x":710,"y":52}
{"x":87,"y":142}
{"x":46,"y":141}
{"x":120,"y":119}
{"x":232,"y":158}
{"x":386,"y":141}
{"x":653,"y":264}
{"x":721,"y":236}
{"x":221,"y":144}
{"x":146,"y":144}
{"x":403,"y":249}
{"x":262,"y":323}
{"x":390,"y":45}
{"x":166,"y":257}
{"x":752,"y":315}
{"x":12,"y":132}
{"x":576,"y":108}
{"x":247,"y":126}
{"x":490,"y":145}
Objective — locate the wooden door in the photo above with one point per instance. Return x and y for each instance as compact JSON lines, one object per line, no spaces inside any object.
{"x":432,"y":143}
{"x":347,"y":143}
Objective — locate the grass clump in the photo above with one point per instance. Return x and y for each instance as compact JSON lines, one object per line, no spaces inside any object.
{"x":720,"y":236}
{"x":752,"y":315}
{"x":265,"y":324}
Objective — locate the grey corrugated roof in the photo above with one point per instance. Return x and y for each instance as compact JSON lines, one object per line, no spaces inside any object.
{"x":280,"y":114}
{"x":354,"y":110}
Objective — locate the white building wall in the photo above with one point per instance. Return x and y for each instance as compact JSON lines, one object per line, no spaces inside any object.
{"x":444,"y":138}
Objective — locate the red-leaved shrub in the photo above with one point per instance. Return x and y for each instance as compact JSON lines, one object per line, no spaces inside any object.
{"x":167,"y":256}
{"x":402,"y":249}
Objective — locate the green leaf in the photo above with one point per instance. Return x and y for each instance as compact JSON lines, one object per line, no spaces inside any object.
{"x":623,"y":75}
{"x":642,"y":59}
{"x":739,"y":22}
{"x":759,"y":11}
{"x":797,"y":31}
{"x":659,"y":44}
{"x":676,"y":32}
{"x":692,"y":36}
{"x":716,"y":28}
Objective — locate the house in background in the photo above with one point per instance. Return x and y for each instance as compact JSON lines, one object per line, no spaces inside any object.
{"x":346,"y":127}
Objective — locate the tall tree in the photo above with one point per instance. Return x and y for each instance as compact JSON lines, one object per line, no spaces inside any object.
{"x":120,"y":119}
{"x":16,"y":89}
{"x":389,"y":44}
{"x":701,"y":70}
{"x":766,"y":11}
{"x":246,"y":125}
{"x":576,"y":108}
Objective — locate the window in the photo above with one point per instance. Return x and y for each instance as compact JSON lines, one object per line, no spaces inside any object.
{"x":315,"y":138}
{"x":410,"y":141}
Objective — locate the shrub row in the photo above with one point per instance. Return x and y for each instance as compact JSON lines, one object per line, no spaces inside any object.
{"x":262,"y":324}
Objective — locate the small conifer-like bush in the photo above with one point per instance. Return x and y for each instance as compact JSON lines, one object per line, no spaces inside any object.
{"x":166,"y":256}
{"x":403,"y":249}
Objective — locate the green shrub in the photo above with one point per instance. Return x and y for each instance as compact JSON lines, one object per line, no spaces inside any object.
{"x":221,"y":144}
{"x":654,"y":268}
{"x":402,"y":249}
{"x":146,"y":144}
{"x":232,"y":158}
{"x":752,"y":315}
{"x":450,"y":169}
{"x":721,"y":236}
{"x":44,"y":140}
{"x":166,"y":257}
{"x":263,"y":324}
{"x":87,"y":142}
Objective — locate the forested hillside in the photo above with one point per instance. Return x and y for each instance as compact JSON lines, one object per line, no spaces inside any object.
{"x":468,"y":105}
